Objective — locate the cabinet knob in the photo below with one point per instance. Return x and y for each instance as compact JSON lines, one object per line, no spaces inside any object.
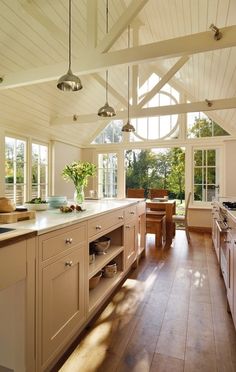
{"x":98,"y":227}
{"x":68,"y":263}
{"x":127,"y":226}
{"x":69,"y":240}
{"x":132,"y":212}
{"x":120,"y":218}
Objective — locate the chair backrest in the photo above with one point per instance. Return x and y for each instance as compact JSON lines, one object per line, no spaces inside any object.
{"x":187,"y":204}
{"x":135,"y":193}
{"x":157,"y":193}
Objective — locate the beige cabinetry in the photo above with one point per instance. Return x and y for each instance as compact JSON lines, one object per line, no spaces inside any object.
{"x":130,"y":235}
{"x":141,"y":212}
{"x":62,"y":286}
{"x":233,"y":310}
{"x":215,"y":230}
{"x":230,"y":271}
{"x":17,"y":310}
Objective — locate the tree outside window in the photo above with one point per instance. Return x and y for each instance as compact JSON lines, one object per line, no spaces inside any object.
{"x":15,"y":169}
{"x":161,"y":169}
{"x":39,"y":179}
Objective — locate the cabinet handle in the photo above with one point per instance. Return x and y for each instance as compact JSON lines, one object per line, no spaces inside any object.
{"x":98,"y":227}
{"x":69,"y":240}
{"x":120,"y":218}
{"x":127,"y":226}
{"x":132,"y":212}
{"x":68,"y":263}
{"x":227,"y":241}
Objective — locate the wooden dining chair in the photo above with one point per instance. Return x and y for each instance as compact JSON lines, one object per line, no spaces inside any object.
{"x":157,"y":193}
{"x":135,"y":193}
{"x":181,"y":221}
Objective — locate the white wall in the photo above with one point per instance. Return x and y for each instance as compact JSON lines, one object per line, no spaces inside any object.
{"x":63,"y":154}
{"x":230,"y":168}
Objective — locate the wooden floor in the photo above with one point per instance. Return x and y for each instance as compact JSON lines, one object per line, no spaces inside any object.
{"x":170,"y":315}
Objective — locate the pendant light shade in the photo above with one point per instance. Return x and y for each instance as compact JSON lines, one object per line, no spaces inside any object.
{"x":69,"y":82}
{"x":128,"y":127}
{"x":106,"y":111}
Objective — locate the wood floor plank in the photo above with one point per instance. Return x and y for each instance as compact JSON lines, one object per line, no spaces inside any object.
{"x":165,"y":363}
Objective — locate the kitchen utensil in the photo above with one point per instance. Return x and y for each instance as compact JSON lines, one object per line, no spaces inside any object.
{"x":102,"y":244}
{"x":93,"y":282}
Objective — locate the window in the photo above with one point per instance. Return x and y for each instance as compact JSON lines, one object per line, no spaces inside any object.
{"x":157,"y":168}
{"x":39,"y":178}
{"x":205,"y":174}
{"x":15,"y":169}
{"x":107,"y":175}
{"x":111,"y":134}
{"x":200,"y":125}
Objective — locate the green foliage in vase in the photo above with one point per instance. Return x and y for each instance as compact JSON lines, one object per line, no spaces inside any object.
{"x":78,"y":172}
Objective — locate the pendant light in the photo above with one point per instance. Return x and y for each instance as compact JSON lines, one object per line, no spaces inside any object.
{"x":106,"y":111}
{"x":128,"y":127}
{"x":69,"y":82}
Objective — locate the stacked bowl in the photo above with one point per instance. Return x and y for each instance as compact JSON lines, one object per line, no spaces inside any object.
{"x":56,"y":201}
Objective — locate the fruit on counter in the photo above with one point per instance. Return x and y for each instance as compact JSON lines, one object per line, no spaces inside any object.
{"x":36,"y":201}
{"x":66,"y":209}
{"x":6,"y":205}
{"x":71,"y":208}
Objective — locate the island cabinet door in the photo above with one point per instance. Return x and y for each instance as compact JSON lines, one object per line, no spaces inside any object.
{"x":63,"y":301}
{"x":131,"y":242}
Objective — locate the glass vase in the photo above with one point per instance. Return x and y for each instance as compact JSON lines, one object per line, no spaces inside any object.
{"x":79,"y":195}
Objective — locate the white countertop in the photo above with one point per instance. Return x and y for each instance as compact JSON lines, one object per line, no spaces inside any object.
{"x":52,"y":219}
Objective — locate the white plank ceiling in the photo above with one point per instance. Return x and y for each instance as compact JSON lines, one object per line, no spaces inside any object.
{"x":34,"y":54}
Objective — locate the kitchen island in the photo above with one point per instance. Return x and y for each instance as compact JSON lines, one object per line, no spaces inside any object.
{"x":56,"y":275}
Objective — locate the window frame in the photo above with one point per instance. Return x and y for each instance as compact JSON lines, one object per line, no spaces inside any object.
{"x":28,"y":164}
{"x":219,"y":174}
{"x":100,"y":184}
{"x":39,"y":194}
{"x":25,"y":162}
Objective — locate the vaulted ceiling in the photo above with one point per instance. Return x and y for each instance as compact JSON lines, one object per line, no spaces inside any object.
{"x":169,"y":37}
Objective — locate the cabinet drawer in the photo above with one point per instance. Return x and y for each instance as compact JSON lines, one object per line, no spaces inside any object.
{"x":61,"y":240}
{"x":100,"y":224}
{"x":130,"y":212}
{"x":12,"y":264}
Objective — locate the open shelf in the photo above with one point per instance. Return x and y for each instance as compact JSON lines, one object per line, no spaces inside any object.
{"x":104,"y":287}
{"x":102,"y":260}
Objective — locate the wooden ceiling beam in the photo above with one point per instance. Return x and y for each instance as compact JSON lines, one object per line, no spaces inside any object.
{"x":164,"y":80}
{"x":181,"y":108}
{"x":121,"y":25}
{"x":91,"y":61}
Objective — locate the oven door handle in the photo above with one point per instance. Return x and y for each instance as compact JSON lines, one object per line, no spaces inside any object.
{"x":220,"y":228}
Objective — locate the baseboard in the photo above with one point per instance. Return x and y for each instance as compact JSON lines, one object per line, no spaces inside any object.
{"x":201,"y":229}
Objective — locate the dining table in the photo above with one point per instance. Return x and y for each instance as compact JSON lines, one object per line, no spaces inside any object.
{"x":169,"y":207}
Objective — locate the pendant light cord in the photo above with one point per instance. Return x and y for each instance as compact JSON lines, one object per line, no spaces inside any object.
{"x":106,"y":34}
{"x":128,"y":69}
{"x":69,"y":35}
